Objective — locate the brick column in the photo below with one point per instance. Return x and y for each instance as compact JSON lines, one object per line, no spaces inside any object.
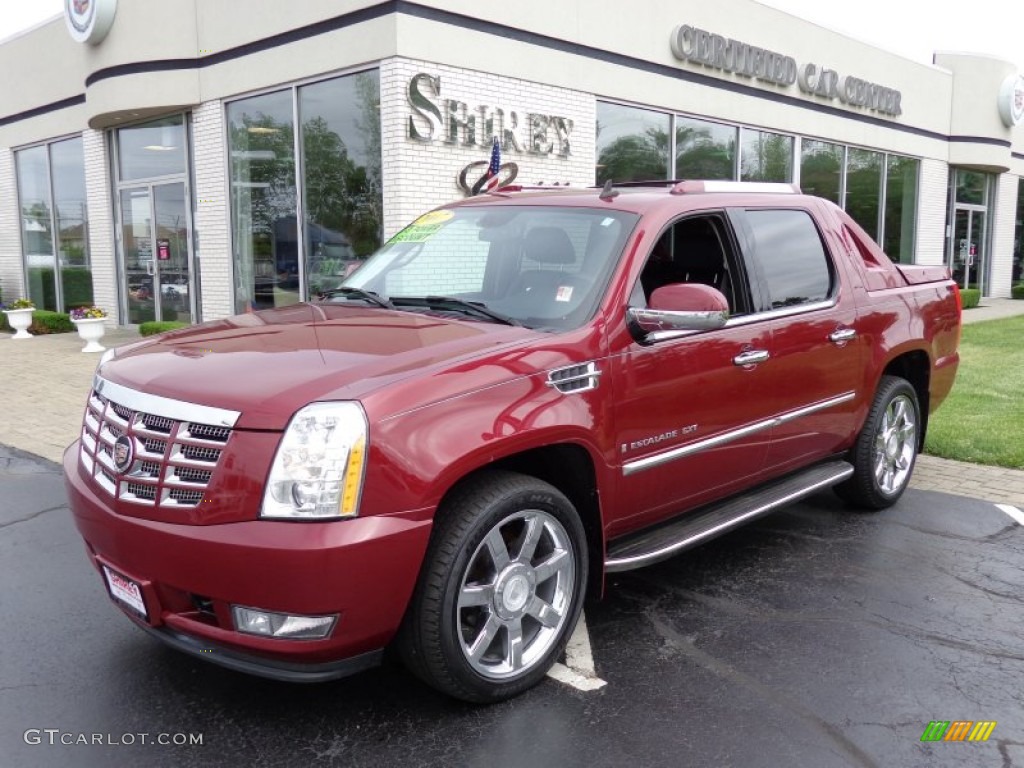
{"x":213,"y":211}
{"x":106,"y":280}
{"x":12,"y":275}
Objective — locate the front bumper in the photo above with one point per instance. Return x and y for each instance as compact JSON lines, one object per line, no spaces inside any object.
{"x":363,"y":569}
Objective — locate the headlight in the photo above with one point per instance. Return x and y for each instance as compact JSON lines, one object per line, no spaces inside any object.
{"x":318,"y":469}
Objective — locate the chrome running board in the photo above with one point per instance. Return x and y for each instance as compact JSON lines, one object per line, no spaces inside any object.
{"x":657,"y":544}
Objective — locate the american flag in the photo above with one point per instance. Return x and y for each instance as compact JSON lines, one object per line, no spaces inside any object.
{"x":490,"y":180}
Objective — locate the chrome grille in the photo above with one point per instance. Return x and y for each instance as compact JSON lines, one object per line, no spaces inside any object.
{"x":206,"y":432}
{"x":174,"y":459}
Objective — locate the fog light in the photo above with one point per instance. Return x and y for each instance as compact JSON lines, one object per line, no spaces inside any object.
{"x":269,"y":624}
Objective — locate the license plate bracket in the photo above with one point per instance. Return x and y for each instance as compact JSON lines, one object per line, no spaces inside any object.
{"x":126,"y":592}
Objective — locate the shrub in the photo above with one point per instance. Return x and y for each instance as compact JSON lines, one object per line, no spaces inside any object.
{"x":1017,"y":291}
{"x":970,"y":297}
{"x":152,"y":327}
{"x":44,"y":322}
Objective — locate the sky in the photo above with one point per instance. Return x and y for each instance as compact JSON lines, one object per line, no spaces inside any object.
{"x":913,"y":28}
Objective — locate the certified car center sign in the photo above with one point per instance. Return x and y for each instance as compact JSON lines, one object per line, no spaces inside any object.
{"x":88,"y":21}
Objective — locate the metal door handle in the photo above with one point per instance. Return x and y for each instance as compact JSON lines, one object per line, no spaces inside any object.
{"x":753,"y":357}
{"x":150,"y":268}
{"x":842,"y":335}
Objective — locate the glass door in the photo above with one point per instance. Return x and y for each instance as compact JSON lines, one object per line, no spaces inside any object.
{"x":968,"y":258}
{"x":137,"y":248}
{"x":156,"y":244}
{"x":171,"y":248}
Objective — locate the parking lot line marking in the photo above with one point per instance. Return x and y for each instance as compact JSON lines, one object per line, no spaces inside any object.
{"x":563,"y":674}
{"x":578,"y":655}
{"x":578,"y":670}
{"x":1013,"y":512}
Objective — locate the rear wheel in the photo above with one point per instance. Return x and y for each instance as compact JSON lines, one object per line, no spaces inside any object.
{"x":500,"y":590}
{"x":886,"y":450}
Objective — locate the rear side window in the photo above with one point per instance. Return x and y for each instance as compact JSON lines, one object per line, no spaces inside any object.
{"x":792,"y":257}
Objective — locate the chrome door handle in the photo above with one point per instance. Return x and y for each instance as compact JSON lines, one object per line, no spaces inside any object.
{"x":842,"y":335}
{"x":753,"y":357}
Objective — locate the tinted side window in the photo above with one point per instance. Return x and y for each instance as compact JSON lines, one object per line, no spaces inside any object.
{"x":792,"y":257}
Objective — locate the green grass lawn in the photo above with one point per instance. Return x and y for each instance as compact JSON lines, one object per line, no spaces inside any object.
{"x":982,"y":420}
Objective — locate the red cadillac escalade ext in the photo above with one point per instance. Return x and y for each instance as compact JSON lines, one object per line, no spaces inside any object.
{"x":517,"y":394}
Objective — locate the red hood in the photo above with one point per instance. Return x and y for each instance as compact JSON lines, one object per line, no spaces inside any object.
{"x":269,"y":364}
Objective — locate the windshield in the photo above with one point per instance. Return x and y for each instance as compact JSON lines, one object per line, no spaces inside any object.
{"x":542,"y":267}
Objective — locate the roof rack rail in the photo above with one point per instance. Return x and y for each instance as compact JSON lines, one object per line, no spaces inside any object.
{"x":690,"y":187}
{"x":649,"y":183}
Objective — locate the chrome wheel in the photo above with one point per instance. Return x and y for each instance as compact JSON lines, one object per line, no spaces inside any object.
{"x":895,"y":445}
{"x":515,"y":595}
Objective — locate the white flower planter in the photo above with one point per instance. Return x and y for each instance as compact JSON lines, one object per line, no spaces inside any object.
{"x":20,"y":320}
{"x":91,"y":329}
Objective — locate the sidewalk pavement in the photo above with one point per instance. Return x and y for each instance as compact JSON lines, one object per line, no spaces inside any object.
{"x":47,"y":380}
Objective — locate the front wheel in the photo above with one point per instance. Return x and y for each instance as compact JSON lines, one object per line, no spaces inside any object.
{"x":886,"y":450}
{"x":500,"y":590}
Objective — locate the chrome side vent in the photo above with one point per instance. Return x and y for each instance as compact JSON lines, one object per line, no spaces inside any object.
{"x":575,"y":378}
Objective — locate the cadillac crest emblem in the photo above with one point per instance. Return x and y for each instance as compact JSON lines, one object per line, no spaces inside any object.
{"x":124,"y":454}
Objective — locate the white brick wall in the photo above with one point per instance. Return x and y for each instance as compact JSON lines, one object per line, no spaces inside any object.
{"x":1001,"y":258}
{"x":102,"y":253}
{"x":420,"y":175}
{"x":212,"y":207}
{"x":11,"y":273}
{"x":931,"y":212}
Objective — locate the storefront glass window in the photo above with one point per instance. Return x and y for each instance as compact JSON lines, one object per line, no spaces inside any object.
{"x":261,"y":136}
{"x":821,"y":169}
{"x":1018,"y":236}
{"x":971,"y":187}
{"x":152,"y":149}
{"x":278,"y":262}
{"x":704,"y":150}
{"x":766,"y":156}
{"x":632,"y":144}
{"x":900,"y":208}
{"x":863,"y":188}
{"x":54,"y":225}
{"x":341,"y":164}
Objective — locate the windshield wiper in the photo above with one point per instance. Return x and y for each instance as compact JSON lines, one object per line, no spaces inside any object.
{"x":454,"y":303}
{"x":358,"y":293}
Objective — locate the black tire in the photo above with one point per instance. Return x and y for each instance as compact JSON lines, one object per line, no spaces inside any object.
{"x":468,"y":650}
{"x":883,"y":465}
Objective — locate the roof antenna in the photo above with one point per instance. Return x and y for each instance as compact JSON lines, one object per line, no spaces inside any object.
{"x":609,"y":193}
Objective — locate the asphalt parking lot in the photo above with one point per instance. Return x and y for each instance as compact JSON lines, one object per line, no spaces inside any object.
{"x":815,"y":637}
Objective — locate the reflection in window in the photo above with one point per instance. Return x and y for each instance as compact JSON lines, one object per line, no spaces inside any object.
{"x":632,"y":144}
{"x":863,"y":188}
{"x":263,"y":200}
{"x":821,"y":167}
{"x":54,"y":225}
{"x":1018,"y":236}
{"x":766,"y":156}
{"x":971,"y":187}
{"x":341,"y":178}
{"x":342,"y":167}
{"x":789,"y":241}
{"x":152,"y":149}
{"x":900,"y":208}
{"x":705,"y":150}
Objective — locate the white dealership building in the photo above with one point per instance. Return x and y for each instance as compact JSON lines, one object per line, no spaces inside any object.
{"x":188,"y":160}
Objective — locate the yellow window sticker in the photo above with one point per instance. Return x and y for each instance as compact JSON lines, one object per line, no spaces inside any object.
{"x":425,"y":227}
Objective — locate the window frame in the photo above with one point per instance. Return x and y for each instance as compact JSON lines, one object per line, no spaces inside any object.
{"x":764,"y":308}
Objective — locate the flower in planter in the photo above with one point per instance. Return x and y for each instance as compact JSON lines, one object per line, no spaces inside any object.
{"x":88,"y":313}
{"x":21,"y":304}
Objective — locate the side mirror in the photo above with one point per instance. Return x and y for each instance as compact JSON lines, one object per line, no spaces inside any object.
{"x":680,"y":307}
